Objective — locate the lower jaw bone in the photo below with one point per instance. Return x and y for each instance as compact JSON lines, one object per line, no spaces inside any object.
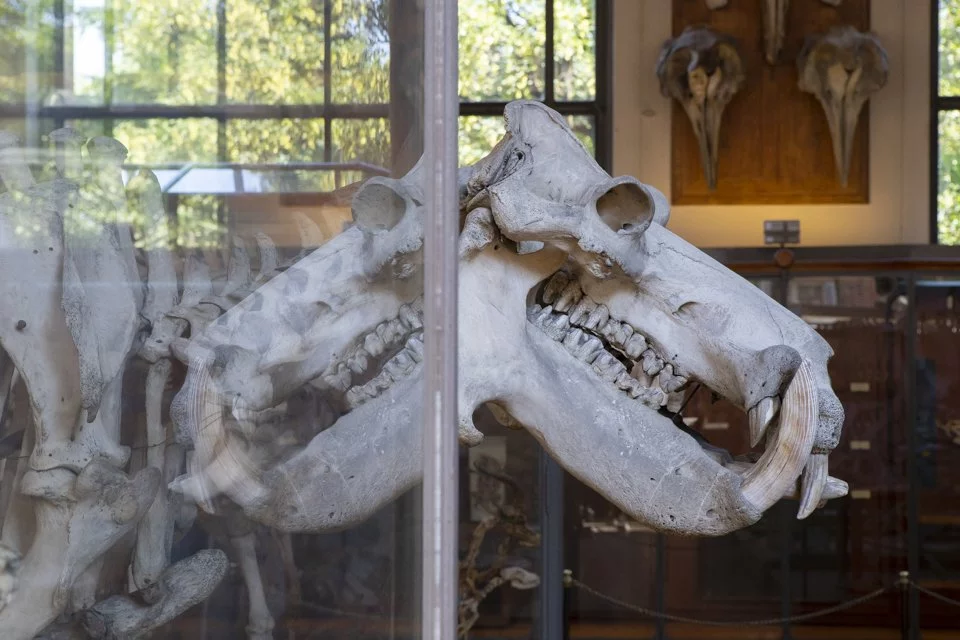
{"x":638,"y":459}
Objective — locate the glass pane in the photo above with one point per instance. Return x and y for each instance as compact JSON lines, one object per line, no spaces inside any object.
{"x":362,"y":141}
{"x":164,"y":52}
{"x":160,"y":141}
{"x":501,"y":49}
{"x":948,"y":191}
{"x":478,"y":134}
{"x":292,"y":140}
{"x":275,"y":52}
{"x":583,"y":128}
{"x":937,"y":453}
{"x":224,"y":360}
{"x":360,"y":52}
{"x":949,"y":39}
{"x":575,"y":49}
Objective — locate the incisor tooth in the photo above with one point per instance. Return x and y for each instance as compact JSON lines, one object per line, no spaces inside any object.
{"x":760,"y":417}
{"x":571,"y":295}
{"x":555,"y":286}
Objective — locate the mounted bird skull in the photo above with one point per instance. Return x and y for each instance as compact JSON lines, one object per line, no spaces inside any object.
{"x":774,"y":23}
{"x":702,"y":70}
{"x":842,"y":68}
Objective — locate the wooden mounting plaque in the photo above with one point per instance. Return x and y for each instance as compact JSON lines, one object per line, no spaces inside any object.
{"x":775,"y":145}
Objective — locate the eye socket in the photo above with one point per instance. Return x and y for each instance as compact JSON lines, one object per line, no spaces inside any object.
{"x":625,"y":208}
{"x":378,"y":206}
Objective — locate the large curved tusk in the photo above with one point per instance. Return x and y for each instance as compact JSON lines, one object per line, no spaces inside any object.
{"x":224,"y":463}
{"x":788,"y":446}
{"x":813,"y":484}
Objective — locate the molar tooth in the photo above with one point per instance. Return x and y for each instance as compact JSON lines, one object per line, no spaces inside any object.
{"x":358,"y":363}
{"x":641,"y":375}
{"x":624,"y":333}
{"x":373,"y":344}
{"x":556,"y":326}
{"x":609,"y":330}
{"x":590,"y":349}
{"x":597,"y":317}
{"x":582,"y":310}
{"x":415,"y":348}
{"x":410,"y":318}
{"x":571,"y":295}
{"x":636,"y":345}
{"x":543,"y":315}
{"x":614,"y":372}
{"x":339,"y":378}
{"x":555,"y":287}
{"x":652,"y":364}
{"x":573,"y":339}
{"x":627,"y":382}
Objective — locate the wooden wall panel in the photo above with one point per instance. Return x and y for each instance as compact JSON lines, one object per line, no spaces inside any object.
{"x":775,"y":145}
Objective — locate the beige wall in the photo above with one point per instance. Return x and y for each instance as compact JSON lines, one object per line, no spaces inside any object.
{"x":899,"y":132}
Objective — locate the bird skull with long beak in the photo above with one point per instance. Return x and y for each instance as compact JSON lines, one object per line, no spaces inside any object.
{"x":843,"y":69}
{"x":702,"y":70}
{"x":614,"y":315}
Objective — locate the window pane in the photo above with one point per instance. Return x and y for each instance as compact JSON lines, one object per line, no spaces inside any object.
{"x":478,"y":134}
{"x":156,"y":141}
{"x":165,"y":52}
{"x":583,"y":127}
{"x":501,"y":49}
{"x":275,"y":52}
{"x":292,"y":140}
{"x":948,"y":193}
{"x":26,"y":38}
{"x":362,"y":141}
{"x":574,"y":49}
{"x":360,"y":52}
{"x":949,"y":47}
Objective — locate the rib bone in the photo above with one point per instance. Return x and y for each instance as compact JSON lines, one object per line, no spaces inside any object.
{"x":842,"y":68}
{"x":702,"y":70}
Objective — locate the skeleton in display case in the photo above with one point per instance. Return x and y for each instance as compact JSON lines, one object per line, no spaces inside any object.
{"x":604,"y":315}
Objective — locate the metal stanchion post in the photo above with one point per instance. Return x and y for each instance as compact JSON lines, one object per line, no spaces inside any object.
{"x":567,"y":587}
{"x":904,"y":585}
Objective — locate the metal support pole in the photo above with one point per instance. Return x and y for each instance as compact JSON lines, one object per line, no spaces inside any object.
{"x":551,"y":619}
{"x":660,"y":632}
{"x":904,"y":585}
{"x":913,"y":527}
{"x":440,"y":459}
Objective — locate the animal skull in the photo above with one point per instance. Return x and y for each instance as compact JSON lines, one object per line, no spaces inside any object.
{"x":702,"y":70}
{"x":612,"y":317}
{"x":774,"y":16}
{"x":842,"y":68}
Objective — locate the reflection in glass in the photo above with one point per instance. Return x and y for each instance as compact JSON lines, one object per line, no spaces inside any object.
{"x":358,"y":140}
{"x":27,"y":64}
{"x":163,"y":52}
{"x":156,"y":141}
{"x":288,"y":140}
{"x":501,"y":49}
{"x":575,"y":49}
{"x":360,"y":52}
{"x":274,"y":56}
{"x":477,"y":135}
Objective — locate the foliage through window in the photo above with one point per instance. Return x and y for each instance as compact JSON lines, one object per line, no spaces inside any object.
{"x":243,"y":82}
{"x":947,"y":106}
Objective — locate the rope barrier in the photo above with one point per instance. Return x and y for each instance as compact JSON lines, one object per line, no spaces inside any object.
{"x":569,"y":580}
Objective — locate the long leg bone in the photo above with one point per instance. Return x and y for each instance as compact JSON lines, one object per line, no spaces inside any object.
{"x":774,"y":28}
{"x":843,"y":69}
{"x":702,"y":70}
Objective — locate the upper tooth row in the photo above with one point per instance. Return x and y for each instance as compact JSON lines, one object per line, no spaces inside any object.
{"x":388,"y":334}
{"x":652,"y":391}
{"x":396,"y":368}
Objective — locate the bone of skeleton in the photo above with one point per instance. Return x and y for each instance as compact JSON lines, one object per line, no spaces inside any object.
{"x":9,"y":572}
{"x":87,"y":514}
{"x":702,"y":70}
{"x":774,"y":27}
{"x":843,"y":68}
{"x":619,"y":253}
{"x":260,"y":624}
